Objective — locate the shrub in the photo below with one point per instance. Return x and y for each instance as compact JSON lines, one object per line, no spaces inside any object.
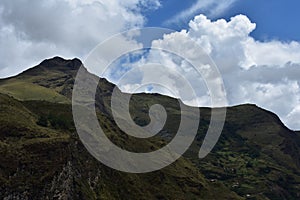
{"x":42,"y":121}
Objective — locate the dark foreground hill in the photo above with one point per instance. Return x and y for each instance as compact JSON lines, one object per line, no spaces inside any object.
{"x":41,"y":156}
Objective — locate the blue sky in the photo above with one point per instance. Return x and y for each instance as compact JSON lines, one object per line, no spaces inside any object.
{"x":275,"y":19}
{"x":261,"y":68}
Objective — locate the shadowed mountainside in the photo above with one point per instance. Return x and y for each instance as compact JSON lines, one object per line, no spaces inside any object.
{"x":41,"y":156}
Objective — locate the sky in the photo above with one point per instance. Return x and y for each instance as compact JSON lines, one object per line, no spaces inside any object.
{"x":276,"y":19}
{"x":254,"y":43}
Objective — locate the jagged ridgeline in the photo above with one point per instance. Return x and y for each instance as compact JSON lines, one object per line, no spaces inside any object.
{"x":41,"y":156}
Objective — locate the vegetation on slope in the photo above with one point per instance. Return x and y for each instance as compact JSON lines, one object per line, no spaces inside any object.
{"x":41,"y":156}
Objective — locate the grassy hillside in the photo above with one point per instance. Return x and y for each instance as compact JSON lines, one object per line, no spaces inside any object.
{"x":51,"y":81}
{"x":50,"y":162}
{"x":41,"y":157}
{"x":23,"y":90}
{"x":255,"y":155}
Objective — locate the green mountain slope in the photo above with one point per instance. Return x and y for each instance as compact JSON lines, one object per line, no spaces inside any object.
{"x":41,"y":156}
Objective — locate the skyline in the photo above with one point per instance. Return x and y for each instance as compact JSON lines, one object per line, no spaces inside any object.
{"x":262,"y":66}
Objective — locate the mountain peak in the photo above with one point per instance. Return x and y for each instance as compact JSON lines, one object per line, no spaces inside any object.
{"x":67,"y":66}
{"x":56,"y":61}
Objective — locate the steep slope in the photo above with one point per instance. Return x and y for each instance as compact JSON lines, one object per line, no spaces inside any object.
{"x":47,"y":81}
{"x":49,"y":162}
{"x":256,"y":155}
{"x":41,"y":157}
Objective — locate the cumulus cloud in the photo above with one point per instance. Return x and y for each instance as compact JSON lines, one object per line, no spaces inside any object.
{"x":294,"y":117}
{"x":263,"y":73}
{"x":34,"y":30}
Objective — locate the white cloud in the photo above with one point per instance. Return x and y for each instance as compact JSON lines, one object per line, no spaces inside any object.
{"x":271,"y":53}
{"x":264,"y":73}
{"x":212,"y":8}
{"x":32,"y":30}
{"x":294,"y":116}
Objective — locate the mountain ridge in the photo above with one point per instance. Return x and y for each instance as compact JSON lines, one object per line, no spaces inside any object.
{"x":72,"y":65}
{"x":39,"y":148}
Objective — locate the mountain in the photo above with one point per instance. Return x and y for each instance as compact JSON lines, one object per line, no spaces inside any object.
{"x":41,"y":156}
